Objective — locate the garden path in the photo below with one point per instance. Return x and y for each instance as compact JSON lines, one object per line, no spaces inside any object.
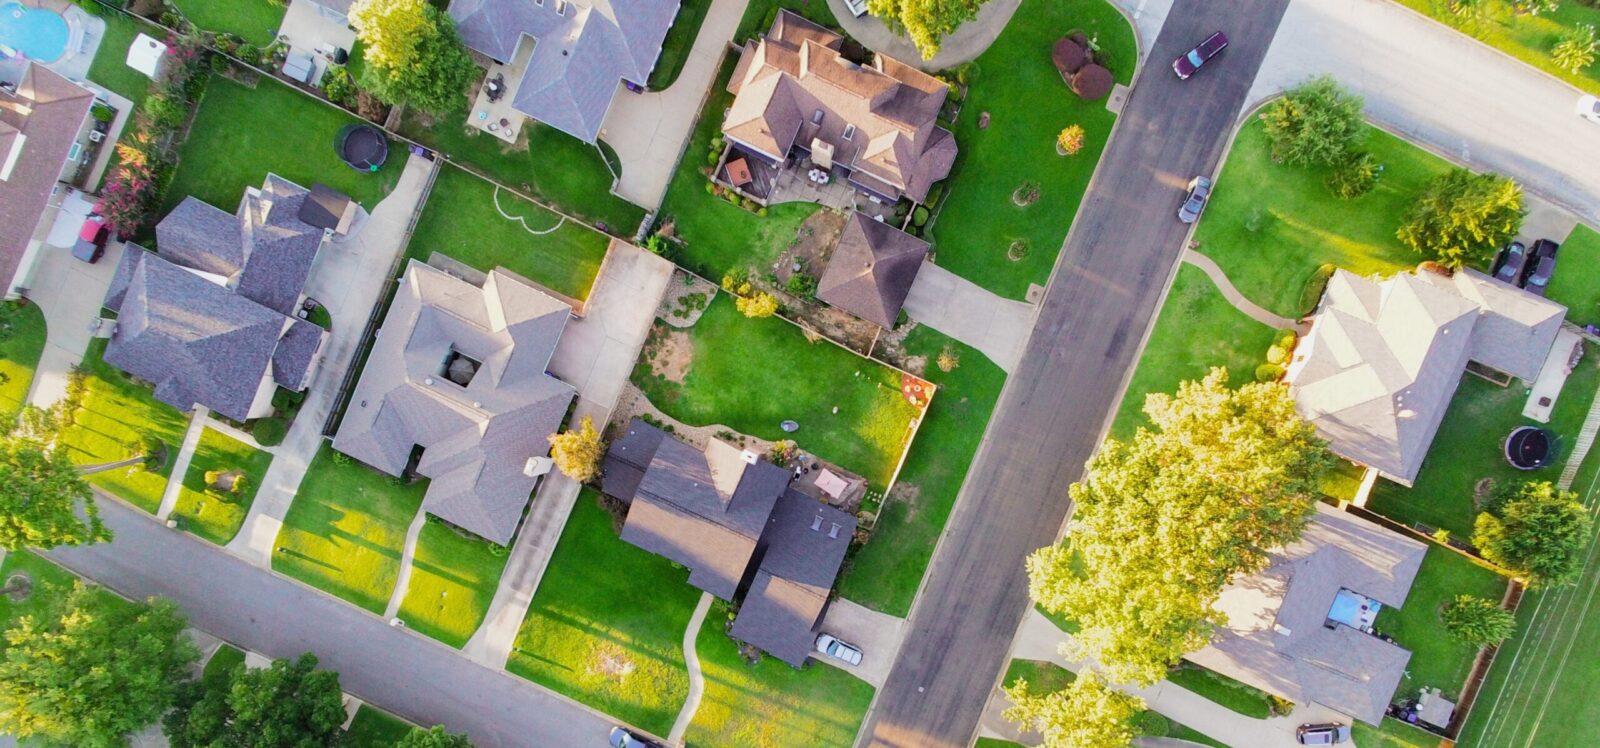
{"x":697,"y":681}
{"x":1236,"y":299}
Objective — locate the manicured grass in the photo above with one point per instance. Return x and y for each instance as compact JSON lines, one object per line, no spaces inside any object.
{"x":115,"y":415}
{"x":995,"y":743}
{"x":1249,"y":701}
{"x":717,"y":236}
{"x":770,"y":704}
{"x":212,"y":514}
{"x":110,"y":67}
{"x":1579,"y":290}
{"x":752,"y":374}
{"x":240,"y":134}
{"x":1300,"y":224}
{"x":255,"y":21}
{"x":21,"y":344}
{"x":1526,"y":37}
{"x":460,"y":220}
{"x":1468,"y":448}
{"x":1392,"y":733}
{"x":225,"y":659}
{"x":1197,"y":329}
{"x":680,"y":39}
{"x":453,"y":578}
{"x":1048,"y":677}
{"x":1438,"y":660}
{"x":884,"y":573}
{"x":606,"y":627}
{"x":48,"y":580}
{"x":1028,"y":105}
{"x":375,"y":728}
{"x":545,"y":163}
{"x":345,"y":531}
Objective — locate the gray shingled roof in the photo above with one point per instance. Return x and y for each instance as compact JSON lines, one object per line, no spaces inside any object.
{"x":871,"y":270}
{"x":202,"y":236}
{"x":803,"y":547}
{"x":476,"y":438}
{"x":42,"y":119}
{"x":297,"y":350}
{"x":584,"y":49}
{"x":324,"y":207}
{"x":1278,"y":637}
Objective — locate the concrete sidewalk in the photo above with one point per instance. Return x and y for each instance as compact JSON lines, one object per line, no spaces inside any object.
{"x":1235,"y":299}
{"x":968,"y":41}
{"x":969,"y":313}
{"x":180,"y":465}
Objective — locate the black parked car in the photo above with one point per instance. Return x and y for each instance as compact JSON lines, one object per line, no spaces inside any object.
{"x":1541,"y":266}
{"x":1191,"y":61}
{"x":1509,"y":265}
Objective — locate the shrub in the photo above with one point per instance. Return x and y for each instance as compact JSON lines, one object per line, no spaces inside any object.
{"x":919,"y":217}
{"x":1478,"y":621}
{"x":934,"y":193}
{"x":1353,"y":176}
{"x":802,"y":285}
{"x":577,"y":452}
{"x":213,"y":477}
{"x":1311,"y":292}
{"x":284,"y":399}
{"x":340,"y":458}
{"x":249,"y":53}
{"x":269,"y":432}
{"x":1577,"y":48}
{"x":1070,"y":140}
{"x":757,"y":305}
{"x":1277,"y":355}
{"x":338,"y":86}
{"x":220,"y":64}
{"x":948,"y":359}
{"x":1151,"y":724}
{"x":166,"y":111}
{"x":1269,"y":373}
{"x":1317,"y":123}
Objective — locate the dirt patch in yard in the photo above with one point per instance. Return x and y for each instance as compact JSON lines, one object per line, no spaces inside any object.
{"x":686,"y":299}
{"x":811,"y":246}
{"x":905,"y":492}
{"x":670,"y":353}
{"x":18,"y":587}
{"x":610,"y":662}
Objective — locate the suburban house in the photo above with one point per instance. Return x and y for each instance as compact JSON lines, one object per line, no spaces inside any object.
{"x":456,"y":389}
{"x":1302,"y":628}
{"x":871,"y":270}
{"x":214,"y":319}
{"x":1383,"y":358}
{"x":800,"y":105}
{"x":733,"y":519}
{"x":561,"y":61}
{"x":44,"y":120}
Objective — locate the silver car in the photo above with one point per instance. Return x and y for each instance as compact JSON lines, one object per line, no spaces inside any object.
{"x":1199,"y":192}
{"x":838,"y":650}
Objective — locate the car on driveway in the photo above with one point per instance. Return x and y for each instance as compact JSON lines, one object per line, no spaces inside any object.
{"x":839,"y":650}
{"x":622,"y":737}
{"x":1589,"y":108}
{"x":1199,"y":193}
{"x":92,"y":237}
{"x":1325,"y":734}
{"x":1508,"y":266}
{"x":1191,"y":61}
{"x":1541,"y":266}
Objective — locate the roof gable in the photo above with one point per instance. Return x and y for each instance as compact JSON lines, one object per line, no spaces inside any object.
{"x":871,"y":270}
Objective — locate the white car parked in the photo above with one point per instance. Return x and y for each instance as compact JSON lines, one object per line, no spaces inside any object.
{"x":1589,"y":108}
{"x":858,"y":8}
{"x":838,"y":650}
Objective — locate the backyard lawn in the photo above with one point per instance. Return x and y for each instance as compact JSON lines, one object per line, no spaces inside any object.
{"x":453,"y":578}
{"x":255,"y":21}
{"x":606,"y":627}
{"x":1196,"y":330}
{"x":1527,"y":37}
{"x":110,"y":66}
{"x":461,"y":221}
{"x":770,"y":704}
{"x":1269,"y":225}
{"x":1028,"y":105}
{"x":21,"y":345}
{"x":1437,"y":659}
{"x":1576,"y":286}
{"x":345,"y":530}
{"x":375,"y":728}
{"x":48,"y":580}
{"x":752,"y":374}
{"x":240,"y":134}
{"x":1249,"y":701}
{"x":680,"y":39}
{"x":884,"y":573}
{"x":1391,"y":734}
{"x":116,"y":414}
{"x":1468,"y":448}
{"x":214,"y":514}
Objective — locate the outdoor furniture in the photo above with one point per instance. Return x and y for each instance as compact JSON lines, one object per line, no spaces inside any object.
{"x":505,"y":122}
{"x":299,"y":66}
{"x":494,"y":126}
{"x":739,"y":172}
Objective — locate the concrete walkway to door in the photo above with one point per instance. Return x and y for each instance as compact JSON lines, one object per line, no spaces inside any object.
{"x":971,"y":314}
{"x":1235,"y":299}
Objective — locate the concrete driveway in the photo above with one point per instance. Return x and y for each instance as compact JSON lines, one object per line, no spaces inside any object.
{"x":69,"y":292}
{"x":957,"y":307}
{"x":877,"y":634}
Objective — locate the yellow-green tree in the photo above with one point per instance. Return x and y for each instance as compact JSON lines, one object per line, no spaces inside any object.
{"x":1085,"y":714}
{"x":577,"y":452}
{"x":413,"y":54}
{"x":1462,"y":218}
{"x":927,"y":22}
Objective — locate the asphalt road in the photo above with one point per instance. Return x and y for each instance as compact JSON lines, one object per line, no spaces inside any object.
{"x":405,"y":673}
{"x":1108,"y":282}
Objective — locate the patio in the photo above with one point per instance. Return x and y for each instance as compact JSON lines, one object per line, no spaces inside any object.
{"x":800,"y":180}
{"x":316,"y":35}
{"x":491,"y":107}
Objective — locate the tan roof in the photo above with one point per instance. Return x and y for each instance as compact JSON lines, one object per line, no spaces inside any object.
{"x":38,"y":125}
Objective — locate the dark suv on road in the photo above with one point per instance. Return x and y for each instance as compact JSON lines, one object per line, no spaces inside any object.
{"x":1191,"y":61}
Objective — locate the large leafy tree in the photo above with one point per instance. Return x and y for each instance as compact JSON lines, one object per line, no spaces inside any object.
{"x":1461,"y":218}
{"x":1161,"y":523}
{"x":1478,"y":620}
{"x":1085,"y":714}
{"x":1317,"y":122}
{"x":1537,"y":531}
{"x":578,"y":452}
{"x":92,"y":668}
{"x":433,"y":738}
{"x":927,"y":22}
{"x":413,"y":54}
{"x":287,"y":705}
{"x":40,"y":490}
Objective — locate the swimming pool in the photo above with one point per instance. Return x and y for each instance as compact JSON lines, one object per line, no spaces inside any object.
{"x":38,"y":34}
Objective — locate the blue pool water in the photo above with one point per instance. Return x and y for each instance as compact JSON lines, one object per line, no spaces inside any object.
{"x":37,"y":33}
{"x":1346,"y":609}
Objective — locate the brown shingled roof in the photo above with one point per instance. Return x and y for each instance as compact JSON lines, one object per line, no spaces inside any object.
{"x":872,"y":269}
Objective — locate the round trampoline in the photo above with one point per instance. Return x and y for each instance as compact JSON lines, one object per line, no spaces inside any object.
{"x":362,"y":147}
{"x":1528,"y":448}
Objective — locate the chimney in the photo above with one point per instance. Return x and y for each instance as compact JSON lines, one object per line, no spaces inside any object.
{"x":816,"y":522}
{"x":834,"y":531}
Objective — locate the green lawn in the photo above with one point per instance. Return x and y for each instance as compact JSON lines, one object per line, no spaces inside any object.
{"x":1468,"y":448}
{"x":217,"y":515}
{"x":226,"y":658}
{"x":717,"y":236}
{"x":1219,"y":688}
{"x":1048,"y":677}
{"x":680,"y":39}
{"x":255,"y":21}
{"x":375,"y":728}
{"x":453,"y":578}
{"x":1196,"y":330}
{"x":770,"y":704}
{"x":460,"y":220}
{"x":752,"y":374}
{"x":1028,"y":106}
{"x":1299,"y":224}
{"x":110,"y":67}
{"x":1437,"y":659}
{"x":240,"y":134}
{"x":545,"y":163}
{"x":345,"y":530}
{"x":21,"y":344}
{"x":48,"y":581}
{"x":884,"y":573}
{"x":1527,"y":37}
{"x":606,"y":627}
{"x":1392,"y":734}
{"x":1579,"y":290}
{"x":115,"y":415}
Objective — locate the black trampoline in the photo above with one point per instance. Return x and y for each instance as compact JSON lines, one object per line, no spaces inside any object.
{"x":362,"y":147}
{"x":1529,"y":448}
